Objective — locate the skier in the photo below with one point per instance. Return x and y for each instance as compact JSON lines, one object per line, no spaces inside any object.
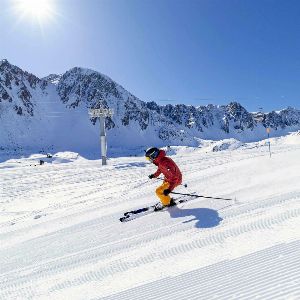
{"x":171,"y":172}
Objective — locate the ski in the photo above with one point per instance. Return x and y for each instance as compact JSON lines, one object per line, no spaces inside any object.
{"x":134,"y":214}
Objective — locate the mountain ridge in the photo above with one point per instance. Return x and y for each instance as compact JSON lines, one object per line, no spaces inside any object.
{"x":32,"y":103}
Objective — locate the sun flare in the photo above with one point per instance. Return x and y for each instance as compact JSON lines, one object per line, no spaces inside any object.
{"x":35,"y":9}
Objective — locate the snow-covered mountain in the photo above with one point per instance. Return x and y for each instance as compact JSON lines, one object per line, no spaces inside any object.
{"x":52,"y":113}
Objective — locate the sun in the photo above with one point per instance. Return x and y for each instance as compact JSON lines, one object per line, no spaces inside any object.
{"x":40,"y":10}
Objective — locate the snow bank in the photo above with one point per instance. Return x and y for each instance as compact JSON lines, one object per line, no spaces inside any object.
{"x":228,"y":144}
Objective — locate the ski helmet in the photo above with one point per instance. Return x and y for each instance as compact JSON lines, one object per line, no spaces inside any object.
{"x":151,"y":153}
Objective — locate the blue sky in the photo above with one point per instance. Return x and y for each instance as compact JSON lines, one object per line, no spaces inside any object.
{"x":169,"y":51}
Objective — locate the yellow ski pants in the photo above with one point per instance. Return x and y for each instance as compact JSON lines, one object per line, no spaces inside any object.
{"x":165,"y":200}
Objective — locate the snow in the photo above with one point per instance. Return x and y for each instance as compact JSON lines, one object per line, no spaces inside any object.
{"x":60,"y":235}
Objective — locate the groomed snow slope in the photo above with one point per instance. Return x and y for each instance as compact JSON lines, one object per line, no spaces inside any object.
{"x":60,"y":235}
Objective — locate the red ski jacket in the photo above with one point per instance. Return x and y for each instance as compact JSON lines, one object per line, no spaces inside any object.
{"x":168,"y":167}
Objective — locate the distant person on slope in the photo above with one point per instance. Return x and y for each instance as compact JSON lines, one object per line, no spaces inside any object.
{"x":171,"y":172}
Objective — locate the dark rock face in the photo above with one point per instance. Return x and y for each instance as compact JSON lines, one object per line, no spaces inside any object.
{"x":16,"y":86}
{"x":4,"y":96}
{"x":136,"y":113}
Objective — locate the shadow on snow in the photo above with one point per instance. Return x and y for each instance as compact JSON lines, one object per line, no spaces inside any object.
{"x":204,"y":217}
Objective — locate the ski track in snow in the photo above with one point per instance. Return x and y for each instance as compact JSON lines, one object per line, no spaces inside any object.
{"x":61,"y":237}
{"x":213,"y":282}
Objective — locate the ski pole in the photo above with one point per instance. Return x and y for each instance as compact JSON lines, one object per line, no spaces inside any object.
{"x":200,"y":196}
{"x":185,"y":185}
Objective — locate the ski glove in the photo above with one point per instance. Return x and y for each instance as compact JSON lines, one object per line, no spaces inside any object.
{"x":167,"y":192}
{"x":151,"y":176}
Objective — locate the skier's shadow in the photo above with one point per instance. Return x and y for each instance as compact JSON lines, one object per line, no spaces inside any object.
{"x":204,"y":217}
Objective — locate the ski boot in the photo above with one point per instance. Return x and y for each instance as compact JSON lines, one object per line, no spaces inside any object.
{"x":172,"y":202}
{"x":158,"y":206}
